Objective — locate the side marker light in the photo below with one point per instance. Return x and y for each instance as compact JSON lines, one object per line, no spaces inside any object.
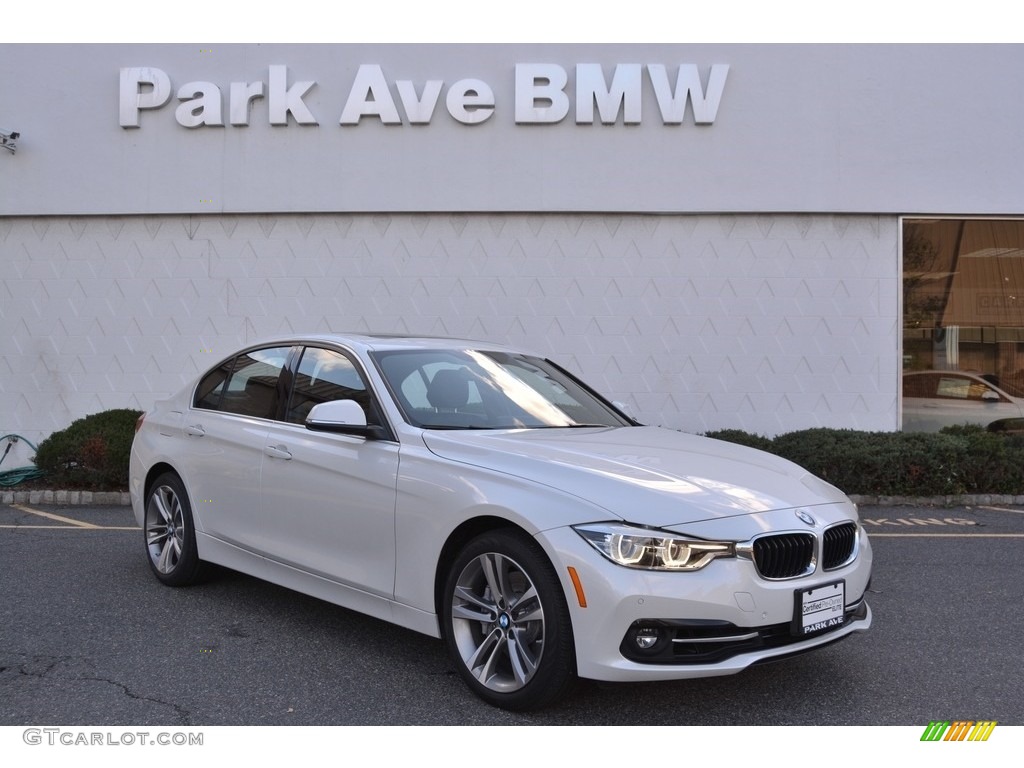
{"x":578,"y":586}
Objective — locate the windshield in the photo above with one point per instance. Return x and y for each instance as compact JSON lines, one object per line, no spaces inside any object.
{"x":467,"y":389}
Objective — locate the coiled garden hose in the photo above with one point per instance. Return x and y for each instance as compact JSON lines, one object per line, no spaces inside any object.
{"x":12,"y":477}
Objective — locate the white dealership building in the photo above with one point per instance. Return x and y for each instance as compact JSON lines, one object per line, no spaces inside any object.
{"x":759,"y":237}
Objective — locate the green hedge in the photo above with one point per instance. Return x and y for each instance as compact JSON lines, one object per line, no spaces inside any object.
{"x":958,"y":460}
{"x":91,"y":454}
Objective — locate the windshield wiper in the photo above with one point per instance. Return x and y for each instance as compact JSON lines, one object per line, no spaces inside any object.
{"x":459,"y":426}
{"x":582,"y":425}
{"x":519,"y":426}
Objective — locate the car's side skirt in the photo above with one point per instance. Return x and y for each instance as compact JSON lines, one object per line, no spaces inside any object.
{"x":214,"y":550}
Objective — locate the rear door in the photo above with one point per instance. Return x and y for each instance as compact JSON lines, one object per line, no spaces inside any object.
{"x":224,"y":433}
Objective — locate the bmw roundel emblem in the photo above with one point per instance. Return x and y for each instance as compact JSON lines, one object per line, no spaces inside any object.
{"x":805,"y":517}
{"x":504,"y":621}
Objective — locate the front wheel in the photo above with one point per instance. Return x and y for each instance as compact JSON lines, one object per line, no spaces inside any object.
{"x":170,"y":535}
{"x":507,"y":625}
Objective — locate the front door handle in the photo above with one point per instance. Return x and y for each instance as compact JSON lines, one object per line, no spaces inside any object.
{"x":277,"y":452}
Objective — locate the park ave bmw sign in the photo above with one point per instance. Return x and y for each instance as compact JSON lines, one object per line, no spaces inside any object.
{"x":544,"y":94}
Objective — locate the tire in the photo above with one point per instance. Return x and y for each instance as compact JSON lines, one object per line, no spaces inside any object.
{"x":170,"y":535}
{"x":506,"y":623}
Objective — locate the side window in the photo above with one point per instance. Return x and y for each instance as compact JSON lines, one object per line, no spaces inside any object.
{"x":978,"y":391}
{"x":954,"y":388}
{"x":252,"y":388}
{"x":211,"y":388}
{"x":324,"y":375}
{"x":919,"y":385}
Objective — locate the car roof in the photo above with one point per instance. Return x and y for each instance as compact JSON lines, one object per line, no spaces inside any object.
{"x":938,"y":372}
{"x":385,"y":341}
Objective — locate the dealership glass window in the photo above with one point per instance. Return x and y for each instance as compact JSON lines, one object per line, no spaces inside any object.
{"x":963,"y":298}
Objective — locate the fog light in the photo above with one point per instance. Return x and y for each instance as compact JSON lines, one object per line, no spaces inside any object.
{"x":646,"y":637}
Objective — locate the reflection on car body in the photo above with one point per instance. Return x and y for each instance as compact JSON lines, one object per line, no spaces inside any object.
{"x":488,"y":497}
{"x":936,"y":399}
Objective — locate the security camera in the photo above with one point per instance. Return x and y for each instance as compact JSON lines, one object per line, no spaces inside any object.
{"x":9,"y":139}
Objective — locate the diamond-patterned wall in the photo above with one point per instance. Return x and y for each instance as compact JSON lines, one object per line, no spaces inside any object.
{"x":766,"y":323}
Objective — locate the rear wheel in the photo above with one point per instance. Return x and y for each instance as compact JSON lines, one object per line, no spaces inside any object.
{"x":507,"y":625}
{"x":170,"y":535}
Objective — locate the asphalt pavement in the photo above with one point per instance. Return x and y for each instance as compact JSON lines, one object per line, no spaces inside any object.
{"x":88,"y":636}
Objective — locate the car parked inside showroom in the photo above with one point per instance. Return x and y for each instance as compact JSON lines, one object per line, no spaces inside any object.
{"x":936,"y":399}
{"x":487,"y":496}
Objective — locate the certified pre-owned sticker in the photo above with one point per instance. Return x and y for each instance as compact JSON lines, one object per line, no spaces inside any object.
{"x":819,"y":608}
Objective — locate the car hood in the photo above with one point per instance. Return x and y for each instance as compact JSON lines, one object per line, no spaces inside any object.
{"x":645,"y":475}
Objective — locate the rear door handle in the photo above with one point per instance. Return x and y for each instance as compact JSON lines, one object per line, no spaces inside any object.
{"x":195,"y":430}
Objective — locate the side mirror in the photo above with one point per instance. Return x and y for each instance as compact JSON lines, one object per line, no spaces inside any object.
{"x":990,"y":397}
{"x":345,"y":417}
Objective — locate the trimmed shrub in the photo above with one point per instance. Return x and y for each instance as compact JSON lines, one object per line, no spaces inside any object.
{"x":955,"y":461}
{"x":889,"y":463}
{"x":740,"y":437}
{"x":993,"y":462}
{"x":91,"y":454}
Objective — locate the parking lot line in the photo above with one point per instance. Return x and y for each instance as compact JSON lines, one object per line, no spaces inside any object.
{"x":68,"y":522}
{"x":51,"y":516}
{"x":873,"y":535}
{"x":1004,"y":509}
{"x":72,"y":527}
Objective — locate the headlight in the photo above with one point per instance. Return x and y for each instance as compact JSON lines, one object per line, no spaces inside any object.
{"x":652,"y":549}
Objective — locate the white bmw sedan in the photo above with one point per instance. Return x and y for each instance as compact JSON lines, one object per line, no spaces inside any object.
{"x":488,"y":497}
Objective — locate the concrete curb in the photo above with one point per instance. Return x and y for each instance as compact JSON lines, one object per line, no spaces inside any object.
{"x":70,"y":498}
{"x":123,"y":499}
{"x":963,"y":500}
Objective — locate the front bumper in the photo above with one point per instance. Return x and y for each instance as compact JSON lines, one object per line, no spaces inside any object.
{"x":716,"y":621}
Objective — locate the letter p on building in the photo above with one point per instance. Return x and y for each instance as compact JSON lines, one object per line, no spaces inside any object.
{"x":141,"y":88}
